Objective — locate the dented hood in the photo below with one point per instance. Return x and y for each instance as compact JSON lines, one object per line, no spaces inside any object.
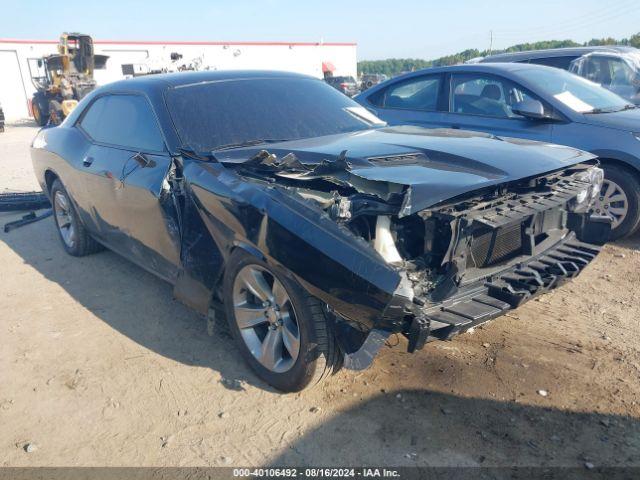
{"x":428,"y":165}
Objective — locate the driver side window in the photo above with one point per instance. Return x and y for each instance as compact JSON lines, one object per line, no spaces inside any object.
{"x":486,"y":95}
{"x":125,"y":121}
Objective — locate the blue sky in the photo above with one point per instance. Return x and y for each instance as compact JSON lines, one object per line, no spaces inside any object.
{"x":382,"y":29}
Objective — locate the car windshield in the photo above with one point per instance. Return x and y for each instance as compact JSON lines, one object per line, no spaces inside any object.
{"x":233,"y":113}
{"x":577,"y":93}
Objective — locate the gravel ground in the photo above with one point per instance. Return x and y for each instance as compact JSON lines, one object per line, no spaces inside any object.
{"x":100,"y":366}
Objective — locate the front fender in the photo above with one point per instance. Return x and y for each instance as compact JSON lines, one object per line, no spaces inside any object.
{"x":620,"y":156}
{"x":339,"y":268}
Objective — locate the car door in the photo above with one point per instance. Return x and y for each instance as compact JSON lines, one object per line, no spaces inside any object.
{"x":482,"y":102}
{"x":126,"y":193}
{"x":418,"y":100}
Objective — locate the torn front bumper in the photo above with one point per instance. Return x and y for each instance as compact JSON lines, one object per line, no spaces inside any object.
{"x":494,"y":295}
{"x":505,"y":291}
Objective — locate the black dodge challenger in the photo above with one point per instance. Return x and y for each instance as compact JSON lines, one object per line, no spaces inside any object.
{"x":312,"y":226}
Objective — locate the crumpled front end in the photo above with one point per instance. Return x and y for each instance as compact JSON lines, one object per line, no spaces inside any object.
{"x":471,"y":260}
{"x":452,"y":265}
{"x":511,"y":248}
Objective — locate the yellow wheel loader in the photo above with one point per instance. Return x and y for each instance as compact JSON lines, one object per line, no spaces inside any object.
{"x":62,"y":79}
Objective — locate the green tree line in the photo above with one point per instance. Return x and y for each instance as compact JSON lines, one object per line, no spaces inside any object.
{"x":395,"y":66}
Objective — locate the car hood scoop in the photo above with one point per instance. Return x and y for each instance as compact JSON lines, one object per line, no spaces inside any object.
{"x":426,"y":166}
{"x":395,"y":160}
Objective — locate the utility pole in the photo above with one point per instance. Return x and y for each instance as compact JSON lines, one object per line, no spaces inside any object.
{"x":490,"y":41}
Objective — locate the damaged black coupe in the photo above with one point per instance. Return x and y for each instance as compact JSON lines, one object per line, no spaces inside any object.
{"x":318,"y":231}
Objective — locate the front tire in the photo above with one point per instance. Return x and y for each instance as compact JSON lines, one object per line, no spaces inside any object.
{"x":620,"y":199}
{"x":75,"y":238}
{"x":281,"y":330}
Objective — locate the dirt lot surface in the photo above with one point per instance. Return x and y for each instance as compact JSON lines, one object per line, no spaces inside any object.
{"x":100,"y":366}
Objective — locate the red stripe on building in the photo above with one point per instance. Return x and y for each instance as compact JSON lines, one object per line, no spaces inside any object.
{"x":156,"y":42}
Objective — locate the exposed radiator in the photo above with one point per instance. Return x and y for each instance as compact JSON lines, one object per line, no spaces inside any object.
{"x":493,"y":246}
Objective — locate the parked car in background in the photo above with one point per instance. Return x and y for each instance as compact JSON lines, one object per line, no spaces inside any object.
{"x":344,"y":84}
{"x":616,"y":67}
{"x":312,"y":227}
{"x":528,"y":101}
{"x":368,"y":80}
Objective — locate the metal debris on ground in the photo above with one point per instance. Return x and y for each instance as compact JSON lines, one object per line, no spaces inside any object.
{"x":26,"y":220}
{"x":30,"y":447}
{"x":23,"y":201}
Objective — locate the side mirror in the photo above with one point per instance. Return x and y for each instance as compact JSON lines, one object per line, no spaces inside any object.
{"x":529,"y":108}
{"x":142,"y":160}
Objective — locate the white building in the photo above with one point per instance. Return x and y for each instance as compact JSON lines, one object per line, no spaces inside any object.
{"x":16,"y":88}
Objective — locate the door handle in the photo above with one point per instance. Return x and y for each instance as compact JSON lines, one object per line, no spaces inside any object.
{"x":455,"y":127}
{"x":87,"y":161}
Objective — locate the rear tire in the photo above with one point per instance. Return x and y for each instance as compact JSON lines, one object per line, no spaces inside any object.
{"x":75,"y":238}
{"x":319,"y":354}
{"x":619,"y":178}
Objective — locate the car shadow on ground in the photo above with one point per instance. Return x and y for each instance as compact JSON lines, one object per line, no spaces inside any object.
{"x":632,"y":242}
{"x":132,"y":301}
{"x":426,"y":428}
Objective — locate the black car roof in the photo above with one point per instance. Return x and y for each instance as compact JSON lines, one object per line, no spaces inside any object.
{"x":169,"y":80}
{"x":557,"y":52}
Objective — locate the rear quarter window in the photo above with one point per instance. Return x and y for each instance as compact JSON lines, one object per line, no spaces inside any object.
{"x":416,"y":93}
